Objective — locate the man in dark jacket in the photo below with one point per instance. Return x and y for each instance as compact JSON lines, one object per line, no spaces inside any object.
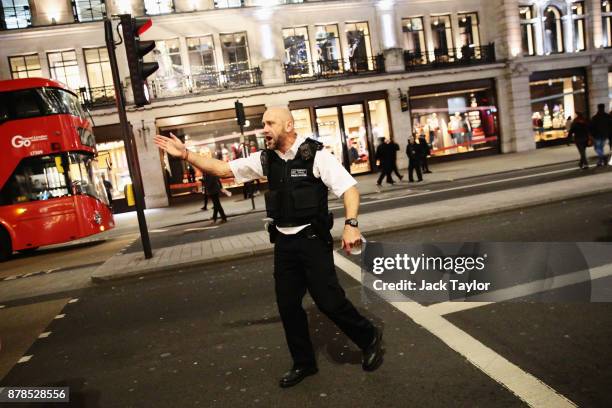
{"x":414,"y":153}
{"x":425,"y":151}
{"x":600,"y":130}
{"x":384,"y":157}
{"x":394,"y":148}
{"x":213,"y":189}
{"x":579,"y":133}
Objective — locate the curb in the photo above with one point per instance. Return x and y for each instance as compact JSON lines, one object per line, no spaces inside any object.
{"x":266,"y":249}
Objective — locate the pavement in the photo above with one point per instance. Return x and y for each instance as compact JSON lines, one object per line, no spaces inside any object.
{"x":121,"y":265}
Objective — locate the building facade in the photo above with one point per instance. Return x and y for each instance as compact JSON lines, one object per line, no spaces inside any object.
{"x":471,"y":77}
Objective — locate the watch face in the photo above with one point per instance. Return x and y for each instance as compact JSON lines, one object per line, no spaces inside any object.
{"x":352,"y":222}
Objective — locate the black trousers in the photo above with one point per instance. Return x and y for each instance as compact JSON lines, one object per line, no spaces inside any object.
{"x":414,"y":165}
{"x":385,"y":173}
{"x":424,"y":165}
{"x":205,"y":200}
{"x":217,"y":209}
{"x":304,"y":263}
{"x":582,"y":151}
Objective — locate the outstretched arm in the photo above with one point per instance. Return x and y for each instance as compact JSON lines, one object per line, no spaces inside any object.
{"x":174,"y":147}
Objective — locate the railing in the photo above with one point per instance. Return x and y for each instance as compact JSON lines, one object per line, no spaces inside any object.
{"x":209,"y":81}
{"x":443,"y":58}
{"x":96,"y":97}
{"x":330,"y":69}
{"x":15,"y":17}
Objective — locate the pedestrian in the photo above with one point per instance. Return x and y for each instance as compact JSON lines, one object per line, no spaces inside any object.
{"x":213,"y":189}
{"x":568,"y":126}
{"x":383,"y":157}
{"x":300,"y":171}
{"x":600,"y":130}
{"x":109,"y":190}
{"x":191,"y":174}
{"x":579,"y":133}
{"x":413,"y":151}
{"x":425,"y":152}
{"x":204,"y":194}
{"x":393,"y":149}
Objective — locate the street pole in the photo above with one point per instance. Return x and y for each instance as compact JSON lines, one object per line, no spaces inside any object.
{"x":128,"y":140}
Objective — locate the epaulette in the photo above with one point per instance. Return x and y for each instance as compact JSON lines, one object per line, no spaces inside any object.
{"x":308,"y":149}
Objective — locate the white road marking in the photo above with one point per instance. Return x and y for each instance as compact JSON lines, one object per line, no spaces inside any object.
{"x":44,"y":335}
{"x":201,"y":228}
{"x":525,"y":386}
{"x":158,"y":230}
{"x":73,"y":300}
{"x":24,"y":359}
{"x":10,"y":277}
{"x":524,"y":289}
{"x":2,"y":306}
{"x":60,"y":316}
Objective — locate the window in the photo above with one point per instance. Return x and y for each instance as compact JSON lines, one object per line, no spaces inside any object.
{"x":235,"y":50}
{"x":329,"y":54}
{"x":297,"y":51}
{"x":579,"y":30}
{"x":228,"y":3}
{"x":35,"y":179}
{"x":15,"y":14}
{"x":201,"y":52}
{"x":606,"y":21}
{"x":64,"y":68}
{"x":154,"y":7}
{"x":88,"y":10}
{"x":414,"y":35}
{"x":82,"y":177}
{"x":359,"y":46}
{"x":442,"y":33}
{"x":167,"y":53}
{"x":99,"y":73}
{"x":553,"y":30}
{"x":527,"y":16}
{"x":25,"y":66}
{"x":468,"y":29}
{"x":29,"y":103}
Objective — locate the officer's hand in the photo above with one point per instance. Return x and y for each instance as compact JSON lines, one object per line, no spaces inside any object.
{"x":350,"y":237}
{"x":173,"y":146}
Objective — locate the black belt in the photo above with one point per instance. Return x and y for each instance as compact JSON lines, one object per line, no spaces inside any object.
{"x":307,"y":232}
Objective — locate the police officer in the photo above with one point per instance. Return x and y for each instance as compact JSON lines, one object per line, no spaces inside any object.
{"x":300,"y":172}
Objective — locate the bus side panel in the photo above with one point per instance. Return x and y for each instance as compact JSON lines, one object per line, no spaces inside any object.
{"x":36,"y":225}
{"x":94,"y":216}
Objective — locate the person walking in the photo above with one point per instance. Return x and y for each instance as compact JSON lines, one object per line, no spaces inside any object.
{"x":425,"y":151}
{"x":300,"y":170}
{"x":600,"y":130}
{"x":393,"y":149}
{"x":204,"y":194}
{"x":213,"y":189}
{"x":109,"y":190}
{"x":579,"y":133}
{"x":568,"y":126}
{"x":414,"y":153}
{"x":384,"y":157}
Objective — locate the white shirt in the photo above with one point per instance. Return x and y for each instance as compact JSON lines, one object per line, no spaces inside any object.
{"x":325,"y":166}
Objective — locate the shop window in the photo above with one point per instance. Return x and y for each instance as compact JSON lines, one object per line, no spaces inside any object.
{"x":15,"y":14}
{"x":359,"y":46}
{"x":554,"y":100}
{"x":297,"y":52}
{"x":235,"y":50}
{"x":88,"y":10}
{"x":99,"y":74}
{"x":579,"y":27}
{"x":155,"y":7}
{"x":329,"y":54}
{"x":25,"y":66}
{"x":112,"y":164}
{"x":553,"y":30}
{"x":302,"y":122}
{"x":527,"y":17}
{"x":64,"y":68}
{"x":35,"y":179}
{"x":442,"y":33}
{"x":414,"y":38}
{"x":455,"y":121}
{"x":606,"y":20}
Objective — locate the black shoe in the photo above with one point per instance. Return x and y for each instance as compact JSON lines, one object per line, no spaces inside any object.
{"x":373,"y":355}
{"x":204,"y":209}
{"x":427,"y":172}
{"x":295,"y":376}
{"x":420,"y":180}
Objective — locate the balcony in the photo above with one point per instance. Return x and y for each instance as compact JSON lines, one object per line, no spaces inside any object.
{"x":206,"y":82}
{"x":97,"y":97}
{"x":334,"y":69}
{"x":452,"y":57}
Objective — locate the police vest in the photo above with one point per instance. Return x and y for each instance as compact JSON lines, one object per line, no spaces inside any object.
{"x":295,"y":196}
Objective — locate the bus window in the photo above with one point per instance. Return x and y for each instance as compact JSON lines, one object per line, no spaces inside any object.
{"x":84,"y":181}
{"x":30,"y":103}
{"x":34,"y":179}
{"x":25,"y":104}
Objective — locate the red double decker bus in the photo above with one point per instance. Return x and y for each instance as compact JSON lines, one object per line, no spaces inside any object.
{"x":49,"y":192}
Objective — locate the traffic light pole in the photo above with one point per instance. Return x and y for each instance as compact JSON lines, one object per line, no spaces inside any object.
{"x":128,"y":140}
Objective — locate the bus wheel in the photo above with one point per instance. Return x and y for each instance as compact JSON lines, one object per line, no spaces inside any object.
{"x":5,"y":245}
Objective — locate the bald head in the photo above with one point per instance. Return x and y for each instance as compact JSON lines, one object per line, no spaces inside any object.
{"x":279,"y":129}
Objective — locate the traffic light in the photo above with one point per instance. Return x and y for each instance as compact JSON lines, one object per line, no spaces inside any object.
{"x":239,"y":107}
{"x":135,"y":49}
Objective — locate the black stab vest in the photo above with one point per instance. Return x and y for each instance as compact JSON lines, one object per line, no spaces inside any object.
{"x":295,"y":196}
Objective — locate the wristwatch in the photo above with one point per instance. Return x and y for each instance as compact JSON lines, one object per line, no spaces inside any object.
{"x":352,"y":222}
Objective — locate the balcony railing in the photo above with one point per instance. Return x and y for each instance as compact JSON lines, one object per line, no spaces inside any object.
{"x":97,"y":97}
{"x":210,"y":81}
{"x":15,"y":17}
{"x":444,"y":58}
{"x":334,"y":69}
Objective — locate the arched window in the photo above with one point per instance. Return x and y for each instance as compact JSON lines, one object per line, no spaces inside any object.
{"x":553,"y":30}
